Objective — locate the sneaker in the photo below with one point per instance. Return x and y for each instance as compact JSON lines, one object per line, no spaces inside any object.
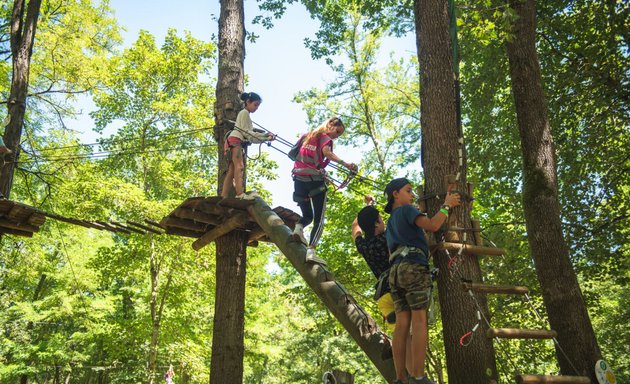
{"x":298,"y":234}
{"x":423,"y":380}
{"x":312,"y":257}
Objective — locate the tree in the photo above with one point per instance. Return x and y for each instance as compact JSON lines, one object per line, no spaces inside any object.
{"x":23,"y":28}
{"x":561,"y":291}
{"x":226,"y":365}
{"x":440,"y":157}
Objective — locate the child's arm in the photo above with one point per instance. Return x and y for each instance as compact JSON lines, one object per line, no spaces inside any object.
{"x":434,"y":223}
{"x":331,"y":155}
{"x":356,"y":230}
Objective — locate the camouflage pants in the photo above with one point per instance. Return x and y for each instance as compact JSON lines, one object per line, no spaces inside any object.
{"x":410,"y":286}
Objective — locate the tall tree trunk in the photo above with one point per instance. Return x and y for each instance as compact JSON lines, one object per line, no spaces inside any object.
{"x":226,"y":366}
{"x":440,"y":157}
{"x":561,"y":292}
{"x":22,"y":39}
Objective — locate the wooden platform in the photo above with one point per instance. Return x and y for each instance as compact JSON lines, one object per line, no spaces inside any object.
{"x":19,"y":219}
{"x":207,"y":218}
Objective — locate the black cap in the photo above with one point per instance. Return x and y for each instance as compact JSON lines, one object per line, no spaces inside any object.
{"x":366,"y":219}
{"x":392,"y":186}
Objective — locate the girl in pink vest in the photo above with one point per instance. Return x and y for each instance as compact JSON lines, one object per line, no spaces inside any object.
{"x":309,"y":181}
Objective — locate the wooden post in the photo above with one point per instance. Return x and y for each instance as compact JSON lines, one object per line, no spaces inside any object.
{"x":228,"y":226}
{"x":542,"y":379}
{"x":514,"y":333}
{"x":358,"y":323}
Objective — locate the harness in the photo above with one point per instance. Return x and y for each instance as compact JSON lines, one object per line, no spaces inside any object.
{"x":404,"y":250}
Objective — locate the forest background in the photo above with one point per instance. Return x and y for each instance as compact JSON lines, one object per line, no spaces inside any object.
{"x":80,"y":305}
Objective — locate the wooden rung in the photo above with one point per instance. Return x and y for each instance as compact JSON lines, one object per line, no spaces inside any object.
{"x":515,"y":333}
{"x":544,"y":379}
{"x":184,"y":224}
{"x":502,"y":289}
{"x":17,"y":226}
{"x":230,"y":224}
{"x":469,"y":248}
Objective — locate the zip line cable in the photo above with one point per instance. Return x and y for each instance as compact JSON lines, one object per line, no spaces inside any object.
{"x":121,"y":140}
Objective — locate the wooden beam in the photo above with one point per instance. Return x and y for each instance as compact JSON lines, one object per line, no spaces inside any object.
{"x":548,"y":379}
{"x":145,"y":227}
{"x":184,"y":224}
{"x":16,"y":232}
{"x":111,"y":228}
{"x":357,"y":322}
{"x":502,"y":289}
{"x":20,"y":227}
{"x":515,"y":333}
{"x":228,"y":226}
{"x":473,"y":249}
{"x":153,"y":223}
{"x":197,"y":215}
{"x":123,"y":226}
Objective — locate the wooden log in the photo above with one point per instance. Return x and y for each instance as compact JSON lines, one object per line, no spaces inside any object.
{"x":184,"y":224}
{"x":501,"y":289}
{"x":153,"y":223}
{"x":472,"y":249}
{"x":111,"y":228}
{"x":196,"y":215}
{"x":183,"y":232}
{"x":358,"y":323}
{"x":16,"y":232}
{"x":145,"y":227}
{"x":20,"y":227}
{"x":123,"y":226}
{"x":228,"y":226}
{"x":515,"y":333}
{"x":549,"y":379}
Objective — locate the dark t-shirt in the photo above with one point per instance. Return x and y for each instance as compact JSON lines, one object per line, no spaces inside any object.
{"x":402,"y":230}
{"x":375,"y":253}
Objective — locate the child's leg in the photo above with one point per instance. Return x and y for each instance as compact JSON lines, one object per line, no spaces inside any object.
{"x":319,"y":210}
{"x":399,"y":343}
{"x":239,"y":165}
{"x":418,"y":341}
{"x":409,"y":355}
{"x":228,"y":181}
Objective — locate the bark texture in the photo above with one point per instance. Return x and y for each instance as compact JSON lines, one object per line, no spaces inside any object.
{"x":560,"y":289}
{"x":358,"y":323}
{"x":23,"y":26}
{"x":226,"y":366}
{"x":476,"y":363}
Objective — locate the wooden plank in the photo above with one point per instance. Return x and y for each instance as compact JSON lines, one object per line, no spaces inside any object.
{"x":145,"y":227}
{"x":196,"y":215}
{"x":551,"y":379}
{"x":36,"y":218}
{"x":184,"y":224}
{"x":20,"y":227}
{"x":473,"y":249}
{"x":501,"y":289}
{"x":228,"y":226}
{"x":183,"y":232}
{"x":111,"y":228}
{"x":16,"y":232}
{"x":153,"y":223}
{"x":123,"y":226}
{"x":515,"y":333}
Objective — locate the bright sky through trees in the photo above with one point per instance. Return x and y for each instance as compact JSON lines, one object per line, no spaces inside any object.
{"x":277,"y":66}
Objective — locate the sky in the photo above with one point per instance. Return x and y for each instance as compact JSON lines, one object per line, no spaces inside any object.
{"x":277,"y":66}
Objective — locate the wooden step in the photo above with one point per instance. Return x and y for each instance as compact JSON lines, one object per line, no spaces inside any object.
{"x":544,"y":379}
{"x":469,"y":248}
{"x":502,"y":289}
{"x":515,"y":333}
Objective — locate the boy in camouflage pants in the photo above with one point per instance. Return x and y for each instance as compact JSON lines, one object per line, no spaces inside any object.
{"x":409,"y":274}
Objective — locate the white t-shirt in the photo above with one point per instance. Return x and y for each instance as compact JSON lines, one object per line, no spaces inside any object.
{"x":244,"y":129}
